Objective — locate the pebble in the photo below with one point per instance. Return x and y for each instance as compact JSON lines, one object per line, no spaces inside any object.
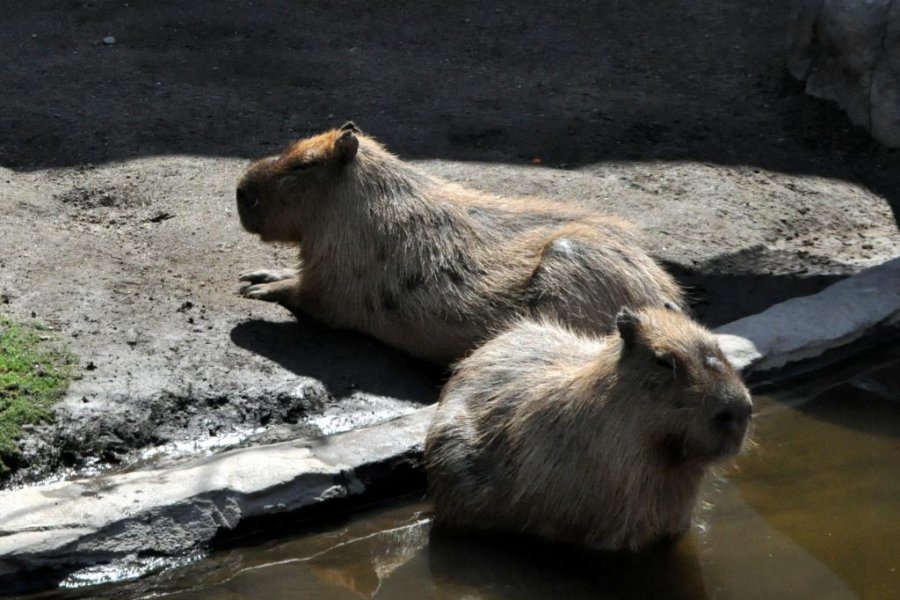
{"x":109,"y":40}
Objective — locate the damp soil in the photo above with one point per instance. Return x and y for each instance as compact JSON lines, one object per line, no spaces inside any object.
{"x":126,"y":126}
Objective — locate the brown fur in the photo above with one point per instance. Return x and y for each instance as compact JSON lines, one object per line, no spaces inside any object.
{"x":596,"y":441}
{"x":428,"y":266}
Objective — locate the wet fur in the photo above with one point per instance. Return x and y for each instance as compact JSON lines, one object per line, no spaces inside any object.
{"x":583,"y":439}
{"x":429,"y":266}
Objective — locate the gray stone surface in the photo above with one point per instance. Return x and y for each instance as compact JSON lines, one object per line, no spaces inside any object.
{"x":178,"y":510}
{"x":849,"y":51}
{"x":806,"y":327}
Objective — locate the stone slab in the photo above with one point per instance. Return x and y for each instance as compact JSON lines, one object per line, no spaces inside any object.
{"x":178,"y":510}
{"x":806,"y":327}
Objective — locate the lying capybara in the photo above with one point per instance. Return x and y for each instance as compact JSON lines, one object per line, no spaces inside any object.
{"x":428,"y":266}
{"x":600,"y":441}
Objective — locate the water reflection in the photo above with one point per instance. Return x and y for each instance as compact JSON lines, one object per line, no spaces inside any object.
{"x":520,"y":569}
{"x":827,"y":476}
{"x":408,"y":560}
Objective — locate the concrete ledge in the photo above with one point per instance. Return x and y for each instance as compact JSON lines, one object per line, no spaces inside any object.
{"x":170,"y":512}
{"x":174,"y":511}
{"x":804,"y":328}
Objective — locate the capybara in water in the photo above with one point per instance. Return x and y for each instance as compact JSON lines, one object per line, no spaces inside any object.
{"x":428,"y":266}
{"x":600,"y":441}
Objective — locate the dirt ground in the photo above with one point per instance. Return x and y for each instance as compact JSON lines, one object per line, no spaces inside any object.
{"x":118,"y":163}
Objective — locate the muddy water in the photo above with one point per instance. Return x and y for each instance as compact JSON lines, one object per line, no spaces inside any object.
{"x":812,"y":512}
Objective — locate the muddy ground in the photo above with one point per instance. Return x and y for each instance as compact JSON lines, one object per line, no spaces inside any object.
{"x":118,"y":162}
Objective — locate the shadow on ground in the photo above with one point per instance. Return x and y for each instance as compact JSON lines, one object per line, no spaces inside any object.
{"x":763,"y":276}
{"x":571,"y":82}
{"x":345,"y":362}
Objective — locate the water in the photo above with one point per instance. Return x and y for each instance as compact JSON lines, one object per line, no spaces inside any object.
{"x":813,"y":511}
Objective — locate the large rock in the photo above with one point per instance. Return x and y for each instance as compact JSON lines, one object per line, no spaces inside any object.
{"x":804,"y":328}
{"x":169,"y":512}
{"x":849,"y":51}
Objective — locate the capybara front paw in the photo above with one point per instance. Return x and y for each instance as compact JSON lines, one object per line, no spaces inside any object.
{"x":260,"y":291}
{"x":267,"y":275}
{"x":283,"y":291}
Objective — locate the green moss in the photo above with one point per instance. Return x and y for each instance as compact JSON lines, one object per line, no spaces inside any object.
{"x":33,"y":376}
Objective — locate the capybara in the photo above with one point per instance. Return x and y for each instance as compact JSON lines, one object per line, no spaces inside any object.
{"x":428,"y":266}
{"x":599,"y":441}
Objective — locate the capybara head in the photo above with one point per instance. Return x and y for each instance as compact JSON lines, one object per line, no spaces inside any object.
{"x":277,"y":194}
{"x":699,"y":409}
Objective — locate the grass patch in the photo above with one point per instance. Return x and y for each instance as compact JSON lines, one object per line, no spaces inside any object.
{"x":33,"y":376}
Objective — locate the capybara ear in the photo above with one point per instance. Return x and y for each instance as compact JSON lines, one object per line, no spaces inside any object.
{"x":345,"y":147}
{"x":350,"y":126}
{"x":628,"y":323}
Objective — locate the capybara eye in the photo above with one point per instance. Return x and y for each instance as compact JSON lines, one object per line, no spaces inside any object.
{"x":665,"y":361}
{"x":304,"y":166}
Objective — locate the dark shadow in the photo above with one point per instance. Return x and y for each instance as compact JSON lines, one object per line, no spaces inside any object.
{"x":344,"y":361}
{"x":762,"y":276}
{"x":869,"y":403}
{"x":571,"y":82}
{"x":860,"y":389}
{"x":522,"y":568}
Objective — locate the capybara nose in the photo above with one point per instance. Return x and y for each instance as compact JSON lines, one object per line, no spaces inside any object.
{"x":733,"y":417}
{"x":243,"y":196}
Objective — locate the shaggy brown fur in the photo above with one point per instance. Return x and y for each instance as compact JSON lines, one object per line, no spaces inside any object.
{"x":596,"y":441}
{"x":428,"y":266}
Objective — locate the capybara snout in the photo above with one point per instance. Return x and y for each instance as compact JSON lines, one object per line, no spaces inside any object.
{"x":719,"y":430}
{"x":274,"y":190}
{"x":734,"y":417}
{"x":247,"y":199}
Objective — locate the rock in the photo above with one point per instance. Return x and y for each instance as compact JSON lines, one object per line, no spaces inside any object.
{"x":885,"y":91}
{"x":849,"y":51}
{"x":109,"y":40}
{"x":806,"y":327}
{"x":173,"y":511}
